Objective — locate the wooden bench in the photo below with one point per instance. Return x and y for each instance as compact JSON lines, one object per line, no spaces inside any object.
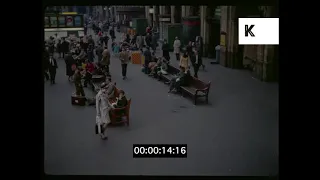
{"x":196,"y":89}
{"x":171,"y":72}
{"x":119,"y":113}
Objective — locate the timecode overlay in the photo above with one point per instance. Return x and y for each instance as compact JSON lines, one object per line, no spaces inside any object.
{"x":159,"y":150}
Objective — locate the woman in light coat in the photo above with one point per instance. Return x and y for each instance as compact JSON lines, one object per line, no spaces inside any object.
{"x":176,"y":48}
{"x":184,"y":61}
{"x":102,"y":108}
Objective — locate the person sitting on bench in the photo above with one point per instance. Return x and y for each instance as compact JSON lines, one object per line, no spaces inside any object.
{"x":154,"y":66}
{"x":81,"y":55}
{"x":178,"y":80}
{"x":163,"y":68}
{"x":121,"y":102}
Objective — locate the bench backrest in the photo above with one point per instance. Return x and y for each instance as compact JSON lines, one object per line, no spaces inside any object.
{"x":198,"y":84}
{"x":116,"y":92}
{"x":172,"y":69}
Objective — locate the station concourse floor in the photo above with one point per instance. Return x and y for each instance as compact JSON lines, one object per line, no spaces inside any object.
{"x":236,"y":134}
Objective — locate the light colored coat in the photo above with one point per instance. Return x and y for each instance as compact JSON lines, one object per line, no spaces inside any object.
{"x":140,"y":41}
{"x":102,"y":108}
{"x":124,"y":57}
{"x":105,"y":57}
{"x":176,"y":46}
{"x":184,"y":62}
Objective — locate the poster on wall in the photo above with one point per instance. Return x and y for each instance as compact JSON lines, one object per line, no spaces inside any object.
{"x":53,"y":21}
{"x":77,"y":21}
{"x":62,"y":21}
{"x":46,"y":22}
{"x":69,"y":20}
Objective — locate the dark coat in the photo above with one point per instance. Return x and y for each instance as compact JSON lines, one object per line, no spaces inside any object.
{"x":69,"y":62}
{"x":64,"y":47}
{"x":54,"y":65}
{"x":45,"y":60}
{"x":193,"y":60}
{"x":165,"y":51}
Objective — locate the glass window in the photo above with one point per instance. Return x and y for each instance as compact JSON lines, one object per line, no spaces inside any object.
{"x":77,"y":21}
{"x":62,"y":21}
{"x":53,"y":21}
{"x":46,"y":22}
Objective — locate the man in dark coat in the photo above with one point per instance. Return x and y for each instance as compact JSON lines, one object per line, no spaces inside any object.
{"x":111,"y":32}
{"x":99,"y":51}
{"x":148,"y":39}
{"x":46,"y":63}
{"x":165,"y":50}
{"x":52,"y":68}
{"x":64,"y":47}
{"x":154,"y":43}
{"x":196,"y":61}
{"x":106,"y":40}
{"x":69,"y":62}
{"x":147,"y":58}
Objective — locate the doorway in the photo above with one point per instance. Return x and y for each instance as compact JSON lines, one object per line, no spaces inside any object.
{"x":177,"y":14}
{"x":213,"y":20}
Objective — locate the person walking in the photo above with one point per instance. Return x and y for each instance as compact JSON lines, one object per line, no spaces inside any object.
{"x":91,"y":45}
{"x":199,"y":48}
{"x":46,"y":63}
{"x":147,"y":58}
{"x":140,"y":42}
{"x":124,"y":58}
{"x":106,"y":60}
{"x":99,"y":51}
{"x":69,"y":63}
{"x":52,"y":68}
{"x":196,"y":61}
{"x":102,"y":112}
{"x":184,"y":60}
{"x":176,"y":48}
{"x":64,"y":47}
{"x":165,"y":50}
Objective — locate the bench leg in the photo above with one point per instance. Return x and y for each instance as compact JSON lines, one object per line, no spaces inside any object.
{"x":195,"y":100}
{"x":207,"y":99}
{"x":128,"y":121}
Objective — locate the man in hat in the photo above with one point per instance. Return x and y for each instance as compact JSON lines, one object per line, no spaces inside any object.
{"x":124,"y":58}
{"x":102,"y":110}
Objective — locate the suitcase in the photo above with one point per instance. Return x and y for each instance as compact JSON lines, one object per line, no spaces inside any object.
{"x":78,"y":100}
{"x":136,"y":57}
{"x":98,"y":78}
